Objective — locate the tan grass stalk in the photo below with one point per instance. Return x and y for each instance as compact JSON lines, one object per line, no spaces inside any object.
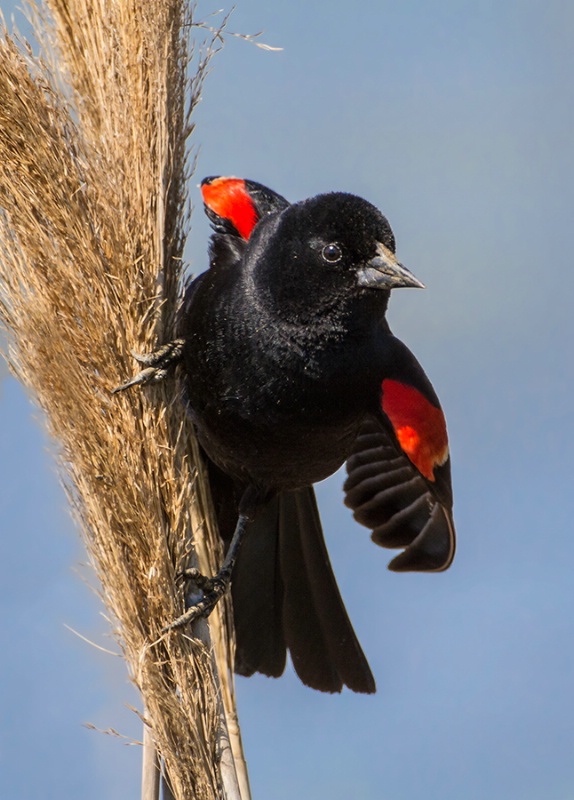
{"x":93,"y":170}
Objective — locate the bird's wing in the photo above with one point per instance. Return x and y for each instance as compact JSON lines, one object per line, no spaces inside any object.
{"x":398,"y":482}
{"x":235,"y":205}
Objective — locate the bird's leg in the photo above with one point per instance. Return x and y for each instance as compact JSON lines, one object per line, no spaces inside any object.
{"x":157,"y":365}
{"x":213,"y":588}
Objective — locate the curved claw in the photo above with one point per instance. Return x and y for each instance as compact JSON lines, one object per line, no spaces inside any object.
{"x":146,"y":376}
{"x":213,"y":588}
{"x":201,"y":581}
{"x":158,"y":365}
{"x":216,"y":587}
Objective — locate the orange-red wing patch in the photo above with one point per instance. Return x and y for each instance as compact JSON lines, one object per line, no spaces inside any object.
{"x":418,"y":424}
{"x":229,"y":199}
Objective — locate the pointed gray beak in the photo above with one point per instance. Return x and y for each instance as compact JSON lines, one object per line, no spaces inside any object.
{"x":385,"y":272}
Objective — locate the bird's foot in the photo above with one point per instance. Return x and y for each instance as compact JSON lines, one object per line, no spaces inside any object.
{"x":157,"y":365}
{"x":213,"y":590}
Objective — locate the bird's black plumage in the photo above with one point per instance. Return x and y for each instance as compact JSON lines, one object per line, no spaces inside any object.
{"x":291,"y":370}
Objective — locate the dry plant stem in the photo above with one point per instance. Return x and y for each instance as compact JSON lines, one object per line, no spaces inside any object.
{"x":150,"y":767}
{"x":93,"y":209}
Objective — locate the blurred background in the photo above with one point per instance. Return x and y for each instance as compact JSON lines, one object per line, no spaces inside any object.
{"x":456,"y":119}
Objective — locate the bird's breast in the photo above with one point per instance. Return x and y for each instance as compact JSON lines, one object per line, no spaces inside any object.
{"x":279,"y":414}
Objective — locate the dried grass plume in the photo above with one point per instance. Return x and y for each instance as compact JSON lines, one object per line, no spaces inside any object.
{"x":93,"y":217}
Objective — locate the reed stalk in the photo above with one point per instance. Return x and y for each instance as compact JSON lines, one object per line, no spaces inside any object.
{"x":94,"y":165}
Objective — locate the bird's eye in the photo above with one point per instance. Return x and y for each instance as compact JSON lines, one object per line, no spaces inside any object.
{"x":332,"y":253}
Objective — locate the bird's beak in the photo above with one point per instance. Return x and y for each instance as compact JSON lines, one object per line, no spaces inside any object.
{"x":385,"y":272}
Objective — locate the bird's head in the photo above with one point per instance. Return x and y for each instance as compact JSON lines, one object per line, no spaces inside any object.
{"x":332,"y":249}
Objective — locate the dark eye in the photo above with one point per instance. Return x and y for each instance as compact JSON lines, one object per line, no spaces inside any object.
{"x":332,"y":253}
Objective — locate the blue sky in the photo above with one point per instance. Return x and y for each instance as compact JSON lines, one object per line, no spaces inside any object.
{"x":456,"y":119}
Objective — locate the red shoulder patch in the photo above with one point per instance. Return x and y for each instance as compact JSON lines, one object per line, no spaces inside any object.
{"x":229,"y":199}
{"x":419,"y":426}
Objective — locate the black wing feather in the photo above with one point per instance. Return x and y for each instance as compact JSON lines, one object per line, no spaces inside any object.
{"x":389,"y":495}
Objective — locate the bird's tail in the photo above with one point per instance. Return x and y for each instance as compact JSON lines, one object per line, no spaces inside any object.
{"x":285,"y":597}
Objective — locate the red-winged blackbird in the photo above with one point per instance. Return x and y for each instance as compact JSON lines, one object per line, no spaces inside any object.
{"x":291,"y":370}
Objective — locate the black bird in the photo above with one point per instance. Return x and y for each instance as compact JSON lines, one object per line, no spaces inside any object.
{"x":290,"y":370}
